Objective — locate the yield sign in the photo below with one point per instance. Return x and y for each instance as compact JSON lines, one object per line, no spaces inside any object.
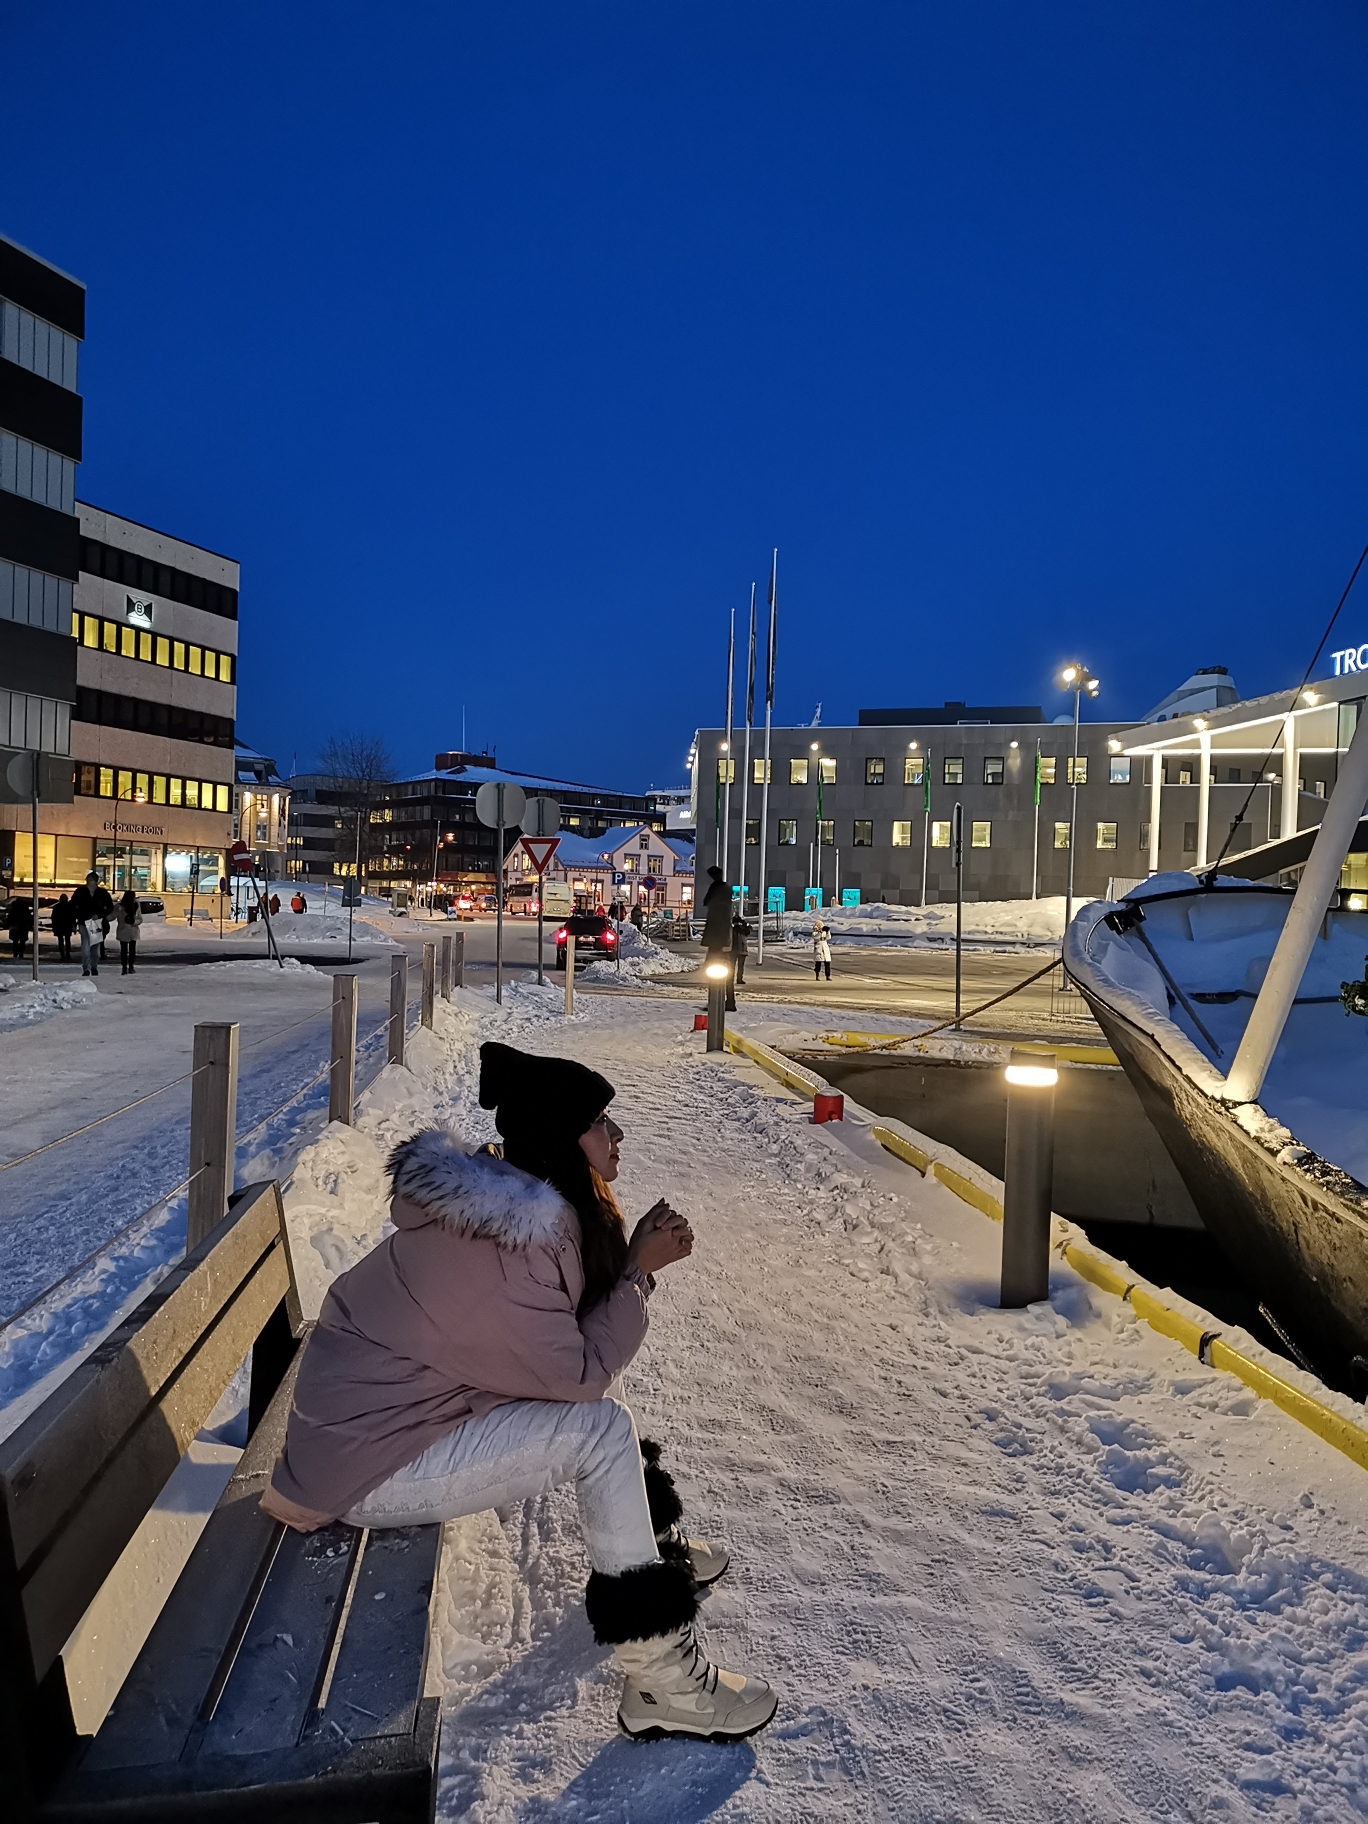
{"x":541,"y":849}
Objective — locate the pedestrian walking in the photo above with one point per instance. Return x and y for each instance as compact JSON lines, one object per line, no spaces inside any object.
{"x":740,"y":950}
{"x":471,"y":1360}
{"x":821,"y":950}
{"x":92,"y":907}
{"x":303,"y":903}
{"x":635,"y":915}
{"x":63,"y":924}
{"x":19,"y":924}
{"x":126,"y":930}
{"x":274,"y":903}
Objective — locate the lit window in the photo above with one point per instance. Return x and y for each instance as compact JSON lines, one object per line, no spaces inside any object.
{"x":953,"y":771}
{"x":760,"y":772}
{"x":798,"y":772}
{"x":176,"y":794}
{"x":1047,"y":769}
{"x":992,"y":769}
{"x":225,"y":668}
{"x":902,"y":835}
{"x":981,"y":836}
{"x":164,"y":650}
{"x":124,"y":783}
{"x":178,"y":655}
{"x":912,"y":769}
{"x":752,"y":835}
{"x":143,"y":784}
{"x":1118,"y":772}
{"x":159,"y":788}
{"x":196,"y":657}
{"x":788,"y":832}
{"x":145,"y":648}
{"x":210,"y":663}
{"x":192,"y":794}
{"x":111,"y":637}
{"x":827,"y":833}
{"x":91,"y":630}
{"x":864,"y":833}
{"x":828,"y":767}
{"x":1061,"y":835}
{"x":221,"y":797}
{"x":1185,"y":775}
{"x":874,"y":771}
{"x":940,"y":835}
{"x":726,"y":771}
{"x":128,"y":642}
{"x":1106,"y":835}
{"x":106,"y":782}
{"x":1078,"y":770}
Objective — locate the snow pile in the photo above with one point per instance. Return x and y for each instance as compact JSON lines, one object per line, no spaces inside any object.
{"x":640,"y":960}
{"x":989,"y":924}
{"x":290,"y":965}
{"x":24,"y":1003}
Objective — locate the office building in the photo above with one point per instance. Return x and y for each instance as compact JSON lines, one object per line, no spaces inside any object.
{"x":636,"y":865}
{"x":262,"y":809}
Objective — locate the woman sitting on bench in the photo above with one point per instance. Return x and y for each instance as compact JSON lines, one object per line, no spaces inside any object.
{"x":470,"y":1360}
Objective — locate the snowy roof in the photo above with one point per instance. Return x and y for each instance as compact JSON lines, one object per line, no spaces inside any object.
{"x":530,"y":782}
{"x":581,"y":851}
{"x":252,"y":768}
{"x":680,"y":848}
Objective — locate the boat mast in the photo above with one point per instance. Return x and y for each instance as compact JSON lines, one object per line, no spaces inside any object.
{"x":1319,"y":879}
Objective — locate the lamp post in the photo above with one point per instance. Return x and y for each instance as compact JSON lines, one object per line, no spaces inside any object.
{"x":1080,"y":681}
{"x":716,"y":975}
{"x":816,"y":751}
{"x":128,"y":797}
{"x":1028,"y":1178}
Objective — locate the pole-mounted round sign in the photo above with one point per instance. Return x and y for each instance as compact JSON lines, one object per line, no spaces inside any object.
{"x":498,"y":801}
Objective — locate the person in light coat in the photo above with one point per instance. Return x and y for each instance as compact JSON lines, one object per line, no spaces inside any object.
{"x":472,"y":1360}
{"x":821,"y":950}
{"x":126,"y":931}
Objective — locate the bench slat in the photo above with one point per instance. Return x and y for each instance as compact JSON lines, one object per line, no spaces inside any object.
{"x":47,"y":1460}
{"x":377,"y":1681}
{"x":151,"y":1718}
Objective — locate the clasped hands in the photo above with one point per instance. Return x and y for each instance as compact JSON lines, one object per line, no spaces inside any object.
{"x":662,"y":1237}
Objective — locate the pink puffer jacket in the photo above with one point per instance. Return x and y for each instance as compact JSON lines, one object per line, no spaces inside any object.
{"x":468,"y":1305}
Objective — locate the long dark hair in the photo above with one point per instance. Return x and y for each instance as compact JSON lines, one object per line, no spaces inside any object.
{"x":603,"y":1234}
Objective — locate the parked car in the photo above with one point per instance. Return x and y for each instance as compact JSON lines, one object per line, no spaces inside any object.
{"x":594,"y":938}
{"x":152,"y":908}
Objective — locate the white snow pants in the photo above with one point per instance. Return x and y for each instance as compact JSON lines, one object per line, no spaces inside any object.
{"x":527,"y":1448}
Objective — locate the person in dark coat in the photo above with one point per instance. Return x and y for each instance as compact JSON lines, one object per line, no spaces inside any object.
{"x":20,"y":924}
{"x":740,"y":949}
{"x":636,"y":915}
{"x":717,"y":916}
{"x":63,"y":924}
{"x":93,"y":909}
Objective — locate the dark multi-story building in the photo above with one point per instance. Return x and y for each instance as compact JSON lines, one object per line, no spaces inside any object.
{"x":427,"y":829}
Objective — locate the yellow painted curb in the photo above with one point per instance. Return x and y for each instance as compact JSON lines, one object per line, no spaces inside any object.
{"x":1067,"y":1054}
{"x":1109,"y":1276}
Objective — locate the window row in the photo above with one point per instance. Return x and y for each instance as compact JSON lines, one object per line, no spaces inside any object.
{"x":103,"y":635}
{"x":34,"y":599}
{"x":39,"y":724}
{"x":38,"y":345}
{"x":32,"y":472}
{"x":173,"y":585}
{"x":152,"y":788}
{"x":952,"y":770}
{"x":862,"y":833}
{"x":108,"y":709}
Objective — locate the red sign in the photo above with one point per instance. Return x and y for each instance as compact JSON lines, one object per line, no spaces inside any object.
{"x":238,"y":848}
{"x":541,"y":849}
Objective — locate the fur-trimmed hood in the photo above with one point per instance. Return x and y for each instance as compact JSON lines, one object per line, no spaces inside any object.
{"x":476,"y":1194}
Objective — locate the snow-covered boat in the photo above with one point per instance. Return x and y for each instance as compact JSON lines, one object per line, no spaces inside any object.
{"x":1172,"y":973}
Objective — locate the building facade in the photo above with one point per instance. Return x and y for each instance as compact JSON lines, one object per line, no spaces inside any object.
{"x":635,"y":864}
{"x":426,"y":830}
{"x":262,"y":810}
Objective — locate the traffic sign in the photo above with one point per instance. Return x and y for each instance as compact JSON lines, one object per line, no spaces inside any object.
{"x":540,"y":848}
{"x":499,"y":801}
{"x":541,"y":818}
{"x":619,"y":880}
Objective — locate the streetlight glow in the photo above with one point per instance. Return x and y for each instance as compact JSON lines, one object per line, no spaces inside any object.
{"x":717,"y":972}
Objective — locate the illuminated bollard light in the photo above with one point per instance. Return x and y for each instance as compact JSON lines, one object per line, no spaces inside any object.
{"x":1028,"y":1178}
{"x":716,"y":976}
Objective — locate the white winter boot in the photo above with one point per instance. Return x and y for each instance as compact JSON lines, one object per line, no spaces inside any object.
{"x":647,"y":1616}
{"x":708,"y":1560}
{"x":673,"y":1688}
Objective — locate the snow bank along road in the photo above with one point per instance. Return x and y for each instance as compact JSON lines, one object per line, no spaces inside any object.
{"x":1032,"y":1565}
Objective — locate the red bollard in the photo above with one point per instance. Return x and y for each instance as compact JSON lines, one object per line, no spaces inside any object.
{"x":700,"y":1022}
{"x":828,"y":1106}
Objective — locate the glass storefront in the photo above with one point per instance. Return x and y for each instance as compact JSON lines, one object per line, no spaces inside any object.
{"x":192,"y":868}
{"x":129,"y":864}
{"x":62,"y":860}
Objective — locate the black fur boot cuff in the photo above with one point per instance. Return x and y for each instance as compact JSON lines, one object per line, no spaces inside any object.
{"x":648,"y":1600}
{"x":661,"y":1495}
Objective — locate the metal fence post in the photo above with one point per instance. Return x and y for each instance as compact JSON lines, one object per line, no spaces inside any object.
{"x":446,"y":968}
{"x":1028,"y":1178}
{"x":429,"y":982}
{"x":569,"y":974}
{"x":398,"y":1006}
{"x":213,"y":1128}
{"x":458,"y":956}
{"x":342,"y":1075}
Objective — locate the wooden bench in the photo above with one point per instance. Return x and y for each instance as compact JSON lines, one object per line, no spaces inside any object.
{"x":284,"y":1675}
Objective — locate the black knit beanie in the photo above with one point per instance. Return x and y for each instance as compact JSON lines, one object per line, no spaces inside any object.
{"x":540,"y":1100}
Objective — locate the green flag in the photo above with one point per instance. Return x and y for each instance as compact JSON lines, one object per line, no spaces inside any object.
{"x":926,"y":783}
{"x":1036,"y":799}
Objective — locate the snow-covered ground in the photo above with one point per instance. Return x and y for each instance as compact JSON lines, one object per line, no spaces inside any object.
{"x":24,"y":1002}
{"x":989,"y":924}
{"x":640,"y":959}
{"x":1037,"y":1565}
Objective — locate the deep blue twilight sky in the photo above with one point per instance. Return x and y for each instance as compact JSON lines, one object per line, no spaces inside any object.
{"x":501,"y":344}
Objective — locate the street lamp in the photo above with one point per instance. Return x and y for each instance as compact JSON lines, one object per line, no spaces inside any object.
{"x":1081,"y":682}
{"x":128,"y":797}
{"x":816,"y":751}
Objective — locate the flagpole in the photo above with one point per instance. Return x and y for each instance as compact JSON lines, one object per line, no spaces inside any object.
{"x":745,"y":782}
{"x":764,"y":790}
{"x":1035,"y":850}
{"x":926,"y":819}
{"x":726,"y":810}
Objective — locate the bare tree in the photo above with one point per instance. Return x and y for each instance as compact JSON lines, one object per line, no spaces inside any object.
{"x":360,"y":767}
